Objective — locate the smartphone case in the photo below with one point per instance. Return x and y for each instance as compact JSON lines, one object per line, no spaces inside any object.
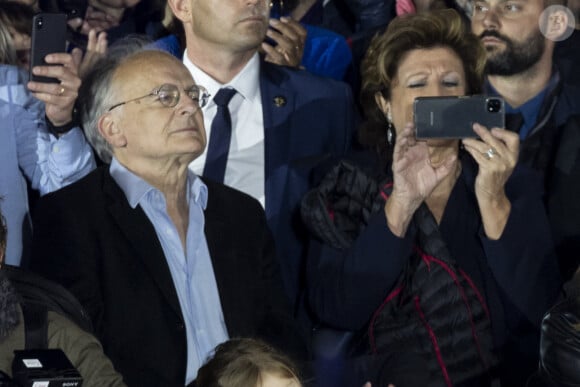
{"x":453,"y":117}
{"x":48,"y":36}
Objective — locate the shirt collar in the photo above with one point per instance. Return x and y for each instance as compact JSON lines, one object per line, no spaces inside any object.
{"x":135,"y":188}
{"x":246,"y":82}
{"x":530,"y":110}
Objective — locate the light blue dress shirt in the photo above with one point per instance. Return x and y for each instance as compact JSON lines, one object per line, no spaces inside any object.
{"x":192,"y":269}
{"x":28,"y":151}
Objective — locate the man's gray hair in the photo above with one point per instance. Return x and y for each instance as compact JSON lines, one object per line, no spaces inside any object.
{"x":95,"y":97}
{"x":94,"y":101}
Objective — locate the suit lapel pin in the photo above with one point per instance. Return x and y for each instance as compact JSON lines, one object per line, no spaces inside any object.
{"x":279,"y":101}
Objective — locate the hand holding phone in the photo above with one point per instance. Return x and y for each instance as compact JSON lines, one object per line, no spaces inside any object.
{"x":453,"y":117}
{"x":285,"y":40}
{"x":59,"y":97}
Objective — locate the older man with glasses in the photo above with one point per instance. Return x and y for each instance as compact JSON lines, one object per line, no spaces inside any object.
{"x":168,"y":265}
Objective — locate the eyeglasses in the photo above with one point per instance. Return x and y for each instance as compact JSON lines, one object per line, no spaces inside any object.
{"x":169,"y":94}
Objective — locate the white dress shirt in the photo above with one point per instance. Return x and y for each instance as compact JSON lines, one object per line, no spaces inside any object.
{"x":245,"y":166}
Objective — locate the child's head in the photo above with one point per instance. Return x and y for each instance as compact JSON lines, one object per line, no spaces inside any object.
{"x":247,"y":363}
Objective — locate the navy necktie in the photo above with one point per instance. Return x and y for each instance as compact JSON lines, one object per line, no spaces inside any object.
{"x":514,"y":121}
{"x":221,"y":133}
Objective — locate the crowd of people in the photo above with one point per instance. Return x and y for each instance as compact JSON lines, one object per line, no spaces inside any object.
{"x":235,"y":193}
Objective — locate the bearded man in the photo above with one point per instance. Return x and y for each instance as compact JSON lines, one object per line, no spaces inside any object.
{"x":519,"y":37}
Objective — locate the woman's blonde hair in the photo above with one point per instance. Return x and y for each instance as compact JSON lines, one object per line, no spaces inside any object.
{"x":242,"y":362}
{"x":7,"y":50}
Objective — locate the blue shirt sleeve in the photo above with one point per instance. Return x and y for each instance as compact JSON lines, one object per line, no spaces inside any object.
{"x":48,"y":162}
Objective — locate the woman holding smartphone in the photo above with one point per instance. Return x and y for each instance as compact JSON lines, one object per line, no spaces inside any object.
{"x":436,"y":247}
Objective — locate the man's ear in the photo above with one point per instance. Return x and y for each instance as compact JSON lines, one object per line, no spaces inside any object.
{"x":384,"y":105}
{"x":111,"y":132}
{"x":181,"y":9}
{"x":556,"y":24}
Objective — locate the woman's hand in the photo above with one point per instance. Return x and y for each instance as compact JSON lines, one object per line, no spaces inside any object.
{"x":59,"y":98}
{"x":496,"y":154}
{"x":97,"y":45}
{"x":102,"y":15}
{"x":290,"y":37}
{"x":414,"y":178}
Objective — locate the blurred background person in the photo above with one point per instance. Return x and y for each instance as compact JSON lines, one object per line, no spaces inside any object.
{"x":17,"y":18}
{"x":40,"y":144}
{"x":80,"y":347}
{"x":325,"y":52}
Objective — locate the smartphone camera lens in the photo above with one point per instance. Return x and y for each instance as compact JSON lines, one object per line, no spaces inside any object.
{"x":493,"y":105}
{"x":39,"y":23}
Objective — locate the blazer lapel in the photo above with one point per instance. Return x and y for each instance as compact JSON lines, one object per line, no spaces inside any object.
{"x":140,"y":234}
{"x":223,"y":258}
{"x":278,"y":104}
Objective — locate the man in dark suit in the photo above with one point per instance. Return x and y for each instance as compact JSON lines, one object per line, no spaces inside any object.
{"x":282,"y":119}
{"x":540,"y":106}
{"x":522,"y":69}
{"x":167,"y":265}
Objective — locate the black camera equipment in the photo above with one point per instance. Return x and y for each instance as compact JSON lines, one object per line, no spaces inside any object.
{"x":44,"y":367}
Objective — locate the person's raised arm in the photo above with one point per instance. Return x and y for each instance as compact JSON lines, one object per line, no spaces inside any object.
{"x":496,"y":154}
{"x":414,"y":178}
{"x":54,"y":160}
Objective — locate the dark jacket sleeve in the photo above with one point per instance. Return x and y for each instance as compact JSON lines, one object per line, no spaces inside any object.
{"x":62,"y":251}
{"x":523,"y":260}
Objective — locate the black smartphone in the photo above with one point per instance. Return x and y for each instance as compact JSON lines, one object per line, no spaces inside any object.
{"x":453,"y":117}
{"x":48,"y":37}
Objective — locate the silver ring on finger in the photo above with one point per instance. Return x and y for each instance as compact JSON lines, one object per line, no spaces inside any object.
{"x":491,"y":152}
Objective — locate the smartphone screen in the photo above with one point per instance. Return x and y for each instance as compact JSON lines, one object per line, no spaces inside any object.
{"x":453,"y":117}
{"x":48,"y":36}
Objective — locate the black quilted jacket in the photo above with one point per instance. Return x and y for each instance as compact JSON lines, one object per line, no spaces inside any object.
{"x":434,"y":309}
